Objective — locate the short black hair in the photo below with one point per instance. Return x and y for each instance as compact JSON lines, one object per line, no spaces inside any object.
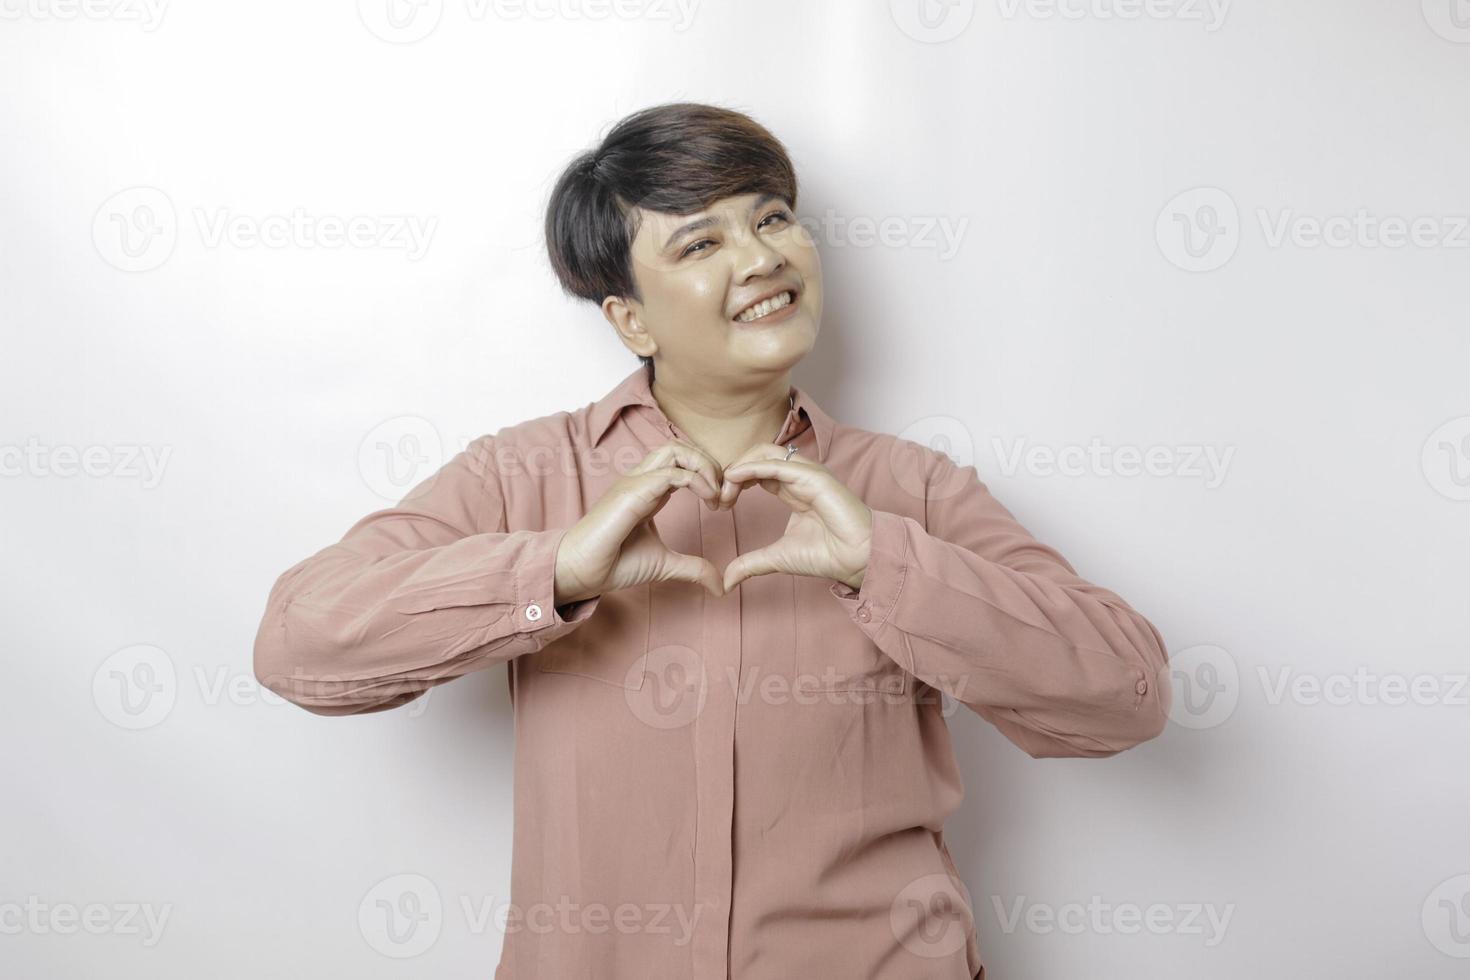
{"x":678,"y":158}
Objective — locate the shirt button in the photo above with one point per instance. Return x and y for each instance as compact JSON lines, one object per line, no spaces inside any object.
{"x":863,"y":614}
{"x":533,"y":612}
{"x":1141,"y":687}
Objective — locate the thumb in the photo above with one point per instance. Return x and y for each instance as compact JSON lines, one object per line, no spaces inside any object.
{"x":691,"y":568}
{"x":761,"y":561}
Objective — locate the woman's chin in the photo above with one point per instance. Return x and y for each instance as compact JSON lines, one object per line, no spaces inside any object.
{"x":773,"y":352}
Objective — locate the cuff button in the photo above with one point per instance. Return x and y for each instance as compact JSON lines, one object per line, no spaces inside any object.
{"x":533,"y":612}
{"x":1141,"y":687}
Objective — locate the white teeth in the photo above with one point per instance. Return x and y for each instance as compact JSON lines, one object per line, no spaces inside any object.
{"x":765,"y":307}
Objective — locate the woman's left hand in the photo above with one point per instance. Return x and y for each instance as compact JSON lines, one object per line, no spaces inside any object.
{"x":830,"y":532}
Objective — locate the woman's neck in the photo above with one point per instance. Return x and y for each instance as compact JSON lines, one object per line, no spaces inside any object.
{"x":724,"y":422}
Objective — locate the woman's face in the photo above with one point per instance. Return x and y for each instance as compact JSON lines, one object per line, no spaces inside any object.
{"x":699,"y":274}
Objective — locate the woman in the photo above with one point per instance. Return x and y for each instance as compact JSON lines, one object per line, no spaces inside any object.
{"x":731,"y":753}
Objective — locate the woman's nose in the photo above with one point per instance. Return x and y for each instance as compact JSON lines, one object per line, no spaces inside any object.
{"x":756,"y":258}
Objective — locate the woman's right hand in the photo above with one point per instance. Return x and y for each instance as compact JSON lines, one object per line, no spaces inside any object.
{"x":614,"y":546}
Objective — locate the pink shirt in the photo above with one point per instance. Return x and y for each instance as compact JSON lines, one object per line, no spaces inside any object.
{"x":753,"y":786}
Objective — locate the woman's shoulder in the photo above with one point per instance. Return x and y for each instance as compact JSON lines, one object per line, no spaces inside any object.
{"x":540,"y":447}
{"x":924,"y":450}
{"x":561,"y":427}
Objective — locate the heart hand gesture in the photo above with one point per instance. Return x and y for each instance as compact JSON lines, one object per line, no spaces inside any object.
{"x":830,"y":531}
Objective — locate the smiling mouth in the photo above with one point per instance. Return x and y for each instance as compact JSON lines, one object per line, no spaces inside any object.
{"x":766,"y":307}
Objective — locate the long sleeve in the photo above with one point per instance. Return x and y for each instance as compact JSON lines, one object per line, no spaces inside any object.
{"x":972,"y":604}
{"x":414,"y":596}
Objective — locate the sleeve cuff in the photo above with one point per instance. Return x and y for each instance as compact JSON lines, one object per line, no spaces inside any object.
{"x":871,"y":605}
{"x":536,"y":611}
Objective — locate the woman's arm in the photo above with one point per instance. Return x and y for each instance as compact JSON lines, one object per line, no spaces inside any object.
{"x":413,"y":596}
{"x":972,"y":604}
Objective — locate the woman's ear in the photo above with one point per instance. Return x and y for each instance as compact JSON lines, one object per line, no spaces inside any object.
{"x":625,"y":318}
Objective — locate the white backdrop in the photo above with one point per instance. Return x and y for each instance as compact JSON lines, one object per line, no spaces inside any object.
{"x":1186,"y":281}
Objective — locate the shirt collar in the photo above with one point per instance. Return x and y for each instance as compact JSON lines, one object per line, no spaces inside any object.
{"x":636,"y":389}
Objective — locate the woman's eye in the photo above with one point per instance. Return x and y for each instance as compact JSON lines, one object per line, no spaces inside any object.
{"x":693,"y":247}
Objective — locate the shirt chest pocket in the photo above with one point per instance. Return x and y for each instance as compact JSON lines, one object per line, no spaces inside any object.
{"x":611,"y":646}
{"x":832,"y":651}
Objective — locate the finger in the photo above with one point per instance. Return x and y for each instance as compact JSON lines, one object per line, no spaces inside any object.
{"x":650,"y":491}
{"x":759,"y":562}
{"x":762,"y":561}
{"x":729,"y":489}
{"x":677,"y":452}
{"x":691,"y":568}
{"x":676,"y":476}
{"x":732,"y":487}
{"x":801,"y":480}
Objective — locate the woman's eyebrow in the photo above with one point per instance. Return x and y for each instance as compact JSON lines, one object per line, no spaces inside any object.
{"x":708,"y":220}
{"x":695,"y":225}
